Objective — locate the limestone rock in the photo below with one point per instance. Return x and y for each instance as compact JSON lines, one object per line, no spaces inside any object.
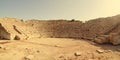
{"x":100,"y":51}
{"x":102,"y":39}
{"x":77,"y":53}
{"x":115,"y":38}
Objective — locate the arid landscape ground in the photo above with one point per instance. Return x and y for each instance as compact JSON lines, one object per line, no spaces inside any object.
{"x":96,"y":39}
{"x":57,"y":49}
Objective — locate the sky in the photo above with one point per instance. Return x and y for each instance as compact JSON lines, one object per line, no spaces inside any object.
{"x":59,"y":9}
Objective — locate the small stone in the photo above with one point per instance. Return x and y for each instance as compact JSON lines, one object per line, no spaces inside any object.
{"x":29,"y":57}
{"x":100,"y":51}
{"x":6,"y":48}
{"x":1,"y":46}
{"x":55,"y":45}
{"x":37,"y":51}
{"x":61,"y":56}
{"x":77,"y":53}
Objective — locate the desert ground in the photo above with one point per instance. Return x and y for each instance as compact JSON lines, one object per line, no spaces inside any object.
{"x":57,"y":49}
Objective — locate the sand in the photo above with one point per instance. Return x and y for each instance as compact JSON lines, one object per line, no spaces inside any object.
{"x":57,"y":49}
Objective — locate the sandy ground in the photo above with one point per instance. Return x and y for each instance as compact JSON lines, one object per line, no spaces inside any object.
{"x":57,"y":49}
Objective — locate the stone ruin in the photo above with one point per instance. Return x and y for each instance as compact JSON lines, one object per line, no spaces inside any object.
{"x":101,"y":30}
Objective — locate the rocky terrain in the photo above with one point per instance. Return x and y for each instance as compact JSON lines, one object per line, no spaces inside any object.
{"x":60,"y":39}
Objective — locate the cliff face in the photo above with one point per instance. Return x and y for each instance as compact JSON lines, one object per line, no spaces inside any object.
{"x":101,"y":30}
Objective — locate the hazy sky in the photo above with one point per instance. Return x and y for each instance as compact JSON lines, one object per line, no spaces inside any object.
{"x":59,"y":9}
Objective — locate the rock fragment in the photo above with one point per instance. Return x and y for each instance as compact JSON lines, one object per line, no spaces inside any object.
{"x":100,"y":51}
{"x":77,"y":53}
{"x":102,"y":39}
{"x":0,"y":47}
{"x":115,"y":38}
{"x":29,"y":57}
{"x":37,"y":51}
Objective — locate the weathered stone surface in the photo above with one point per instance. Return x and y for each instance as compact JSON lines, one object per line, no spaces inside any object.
{"x":102,"y":39}
{"x":115,"y":38}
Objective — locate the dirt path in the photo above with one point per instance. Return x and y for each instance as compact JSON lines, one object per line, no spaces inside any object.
{"x":57,"y":49}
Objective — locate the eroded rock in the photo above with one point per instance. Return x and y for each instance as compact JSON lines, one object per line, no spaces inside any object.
{"x":29,"y":57}
{"x":115,"y":38}
{"x":77,"y":53}
{"x":102,"y":39}
{"x":100,"y":51}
